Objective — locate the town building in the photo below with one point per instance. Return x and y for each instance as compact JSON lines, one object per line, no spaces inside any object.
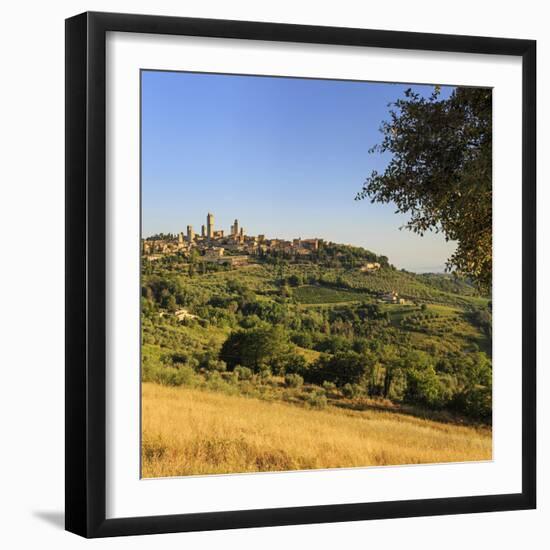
{"x":212,"y":245}
{"x":392,"y":298}
{"x":210,"y":226}
{"x":235,"y":228}
{"x":213,"y":253}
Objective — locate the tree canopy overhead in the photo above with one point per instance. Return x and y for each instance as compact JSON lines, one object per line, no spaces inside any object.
{"x":440,"y":172}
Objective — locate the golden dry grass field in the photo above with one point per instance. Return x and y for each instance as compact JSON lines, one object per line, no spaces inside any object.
{"x":193,"y":432}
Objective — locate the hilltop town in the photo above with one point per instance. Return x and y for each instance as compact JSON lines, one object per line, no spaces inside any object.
{"x":302,"y":324}
{"x":234,"y":248}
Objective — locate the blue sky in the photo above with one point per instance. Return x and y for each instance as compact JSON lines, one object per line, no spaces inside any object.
{"x":285,"y":156}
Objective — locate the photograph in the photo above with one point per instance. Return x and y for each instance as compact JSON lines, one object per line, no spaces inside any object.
{"x":316,"y":273}
{"x":278,"y":276}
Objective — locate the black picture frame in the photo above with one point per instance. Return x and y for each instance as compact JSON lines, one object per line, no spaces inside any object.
{"x":86,"y":284}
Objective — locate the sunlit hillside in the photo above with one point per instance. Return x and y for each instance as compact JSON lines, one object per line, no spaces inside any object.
{"x":195,"y":432}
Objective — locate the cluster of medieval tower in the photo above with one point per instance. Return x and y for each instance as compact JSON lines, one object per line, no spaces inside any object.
{"x":213,"y":243}
{"x":208,"y":231}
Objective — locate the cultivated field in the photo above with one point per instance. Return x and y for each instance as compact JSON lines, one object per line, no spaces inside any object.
{"x":310,"y":294}
{"x":194,"y":432}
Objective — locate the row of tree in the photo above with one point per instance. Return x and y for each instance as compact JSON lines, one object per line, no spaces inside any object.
{"x":401,"y":374}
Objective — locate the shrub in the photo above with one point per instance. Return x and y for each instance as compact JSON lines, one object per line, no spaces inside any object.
{"x":243,"y":373}
{"x":317,"y":400}
{"x":252,"y":347}
{"x":215,"y":382}
{"x":289,"y":363}
{"x":424,"y":387}
{"x":333,"y":344}
{"x":170,"y":376}
{"x":294,"y":280}
{"x":351,"y":390}
{"x":232,"y":377}
{"x":215,"y":365}
{"x":264,"y":372}
{"x":214,"y":376}
{"x":475,"y":402}
{"x":340,"y":369}
{"x":293,"y":381}
{"x":329,"y":386}
{"x":303,"y":339}
{"x":178,"y":357}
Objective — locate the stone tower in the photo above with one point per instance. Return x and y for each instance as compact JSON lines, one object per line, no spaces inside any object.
{"x":190,"y":234}
{"x":235,"y":228}
{"x":203,"y":231}
{"x":210,"y":225}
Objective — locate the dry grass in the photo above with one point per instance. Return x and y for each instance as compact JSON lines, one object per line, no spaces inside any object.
{"x":193,"y":432}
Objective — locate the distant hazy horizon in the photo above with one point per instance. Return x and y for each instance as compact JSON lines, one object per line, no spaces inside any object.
{"x":284,"y":156}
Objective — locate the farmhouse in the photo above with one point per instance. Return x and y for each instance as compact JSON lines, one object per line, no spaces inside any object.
{"x":182,"y":314}
{"x":370,"y":266}
{"x":390,"y":298}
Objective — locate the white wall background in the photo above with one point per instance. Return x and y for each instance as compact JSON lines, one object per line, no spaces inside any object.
{"x":32,"y":271}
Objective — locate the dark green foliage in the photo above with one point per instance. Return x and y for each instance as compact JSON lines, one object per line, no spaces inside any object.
{"x":161,"y":237}
{"x":254,"y":347}
{"x":424,"y":387}
{"x":243,"y":373}
{"x":331,"y":331}
{"x":475,"y":402}
{"x":295,"y":280}
{"x":291,"y":363}
{"x":302,"y":339}
{"x":293,"y":380}
{"x":483,"y":318}
{"x":351,"y":390}
{"x":215,"y":365}
{"x":441,"y":172}
{"x":341,"y":368}
{"x":328,"y":254}
{"x":329,"y":386}
{"x":333,"y":344}
{"x":271,"y":312}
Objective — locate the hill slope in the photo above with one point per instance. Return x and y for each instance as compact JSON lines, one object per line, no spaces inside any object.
{"x":428,"y":345}
{"x":192,"y":432}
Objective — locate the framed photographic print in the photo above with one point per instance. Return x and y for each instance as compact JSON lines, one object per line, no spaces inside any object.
{"x":300,"y":274}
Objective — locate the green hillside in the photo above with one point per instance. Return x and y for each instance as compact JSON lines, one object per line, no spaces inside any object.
{"x":323,"y":326}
